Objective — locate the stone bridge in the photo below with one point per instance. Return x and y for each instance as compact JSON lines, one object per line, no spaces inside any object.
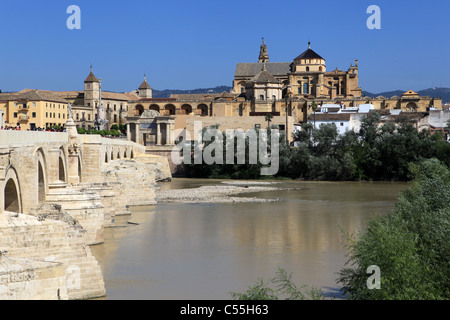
{"x":58,"y":191}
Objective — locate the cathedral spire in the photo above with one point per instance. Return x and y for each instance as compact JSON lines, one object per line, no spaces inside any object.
{"x":263,"y":55}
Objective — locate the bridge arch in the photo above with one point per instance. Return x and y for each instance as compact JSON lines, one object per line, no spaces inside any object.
{"x":62,"y":165}
{"x":41,"y":175}
{"x":12,"y":194}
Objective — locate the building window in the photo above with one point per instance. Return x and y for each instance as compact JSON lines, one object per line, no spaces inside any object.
{"x":33,"y":114}
{"x":299,"y":90}
{"x":89,"y":117}
{"x":305,"y":88}
{"x":342,"y":124}
{"x":15,"y":114}
{"x":307,"y":68}
{"x":34,"y":104}
{"x":257,"y":126}
{"x":261,"y":97}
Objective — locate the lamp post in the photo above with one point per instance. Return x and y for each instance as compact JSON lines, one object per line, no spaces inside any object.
{"x":287,"y":123}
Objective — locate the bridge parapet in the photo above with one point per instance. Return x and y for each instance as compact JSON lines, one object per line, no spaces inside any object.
{"x":19,"y":138}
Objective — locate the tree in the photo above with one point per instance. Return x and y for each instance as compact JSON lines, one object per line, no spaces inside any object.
{"x":313,"y":106}
{"x":269,"y":118}
{"x":411,"y":246}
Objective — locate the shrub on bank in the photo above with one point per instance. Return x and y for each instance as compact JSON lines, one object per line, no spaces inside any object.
{"x":411,"y":246}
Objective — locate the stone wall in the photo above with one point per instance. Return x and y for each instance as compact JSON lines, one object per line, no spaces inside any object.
{"x":47,"y":257}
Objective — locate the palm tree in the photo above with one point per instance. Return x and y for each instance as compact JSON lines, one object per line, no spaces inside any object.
{"x":314,"y":107}
{"x":269,"y":117}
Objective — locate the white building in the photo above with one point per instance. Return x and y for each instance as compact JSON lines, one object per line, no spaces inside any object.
{"x":341,"y":116}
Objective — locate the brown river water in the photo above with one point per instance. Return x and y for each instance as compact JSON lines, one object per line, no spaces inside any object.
{"x":176,"y":251}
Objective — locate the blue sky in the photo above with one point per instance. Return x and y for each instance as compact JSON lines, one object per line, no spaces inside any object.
{"x":196,"y":44}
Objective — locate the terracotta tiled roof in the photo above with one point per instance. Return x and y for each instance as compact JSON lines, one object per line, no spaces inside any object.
{"x":144,"y":85}
{"x":119,"y":96}
{"x":91,"y":78}
{"x":33,"y":95}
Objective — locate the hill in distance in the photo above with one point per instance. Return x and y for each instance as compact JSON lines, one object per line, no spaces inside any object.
{"x":166,"y":93}
{"x":443,"y":93}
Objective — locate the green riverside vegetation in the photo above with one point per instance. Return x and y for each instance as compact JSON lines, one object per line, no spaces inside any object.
{"x":375,"y":153}
{"x":411,"y":245}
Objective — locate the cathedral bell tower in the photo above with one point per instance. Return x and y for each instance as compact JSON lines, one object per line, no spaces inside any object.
{"x":263,"y":55}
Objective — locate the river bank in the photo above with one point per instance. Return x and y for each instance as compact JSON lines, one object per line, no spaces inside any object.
{"x":223,"y":193}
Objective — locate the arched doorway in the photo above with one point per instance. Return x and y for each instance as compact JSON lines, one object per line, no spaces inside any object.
{"x":202,"y":110}
{"x":139,"y":109}
{"x":154,"y":107}
{"x":186,"y":109}
{"x":169,"y":110}
{"x":411,"y":106}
